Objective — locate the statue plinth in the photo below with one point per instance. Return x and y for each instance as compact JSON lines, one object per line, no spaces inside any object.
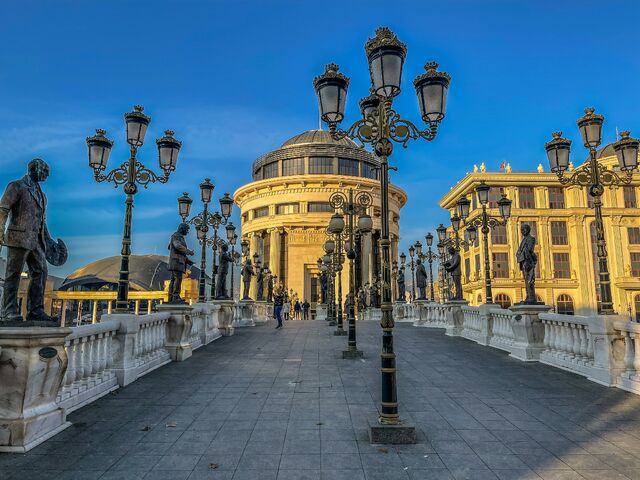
{"x":225,"y":317}
{"x":246,"y":314}
{"x":178,"y":331}
{"x":33,"y":362}
{"x":528,"y":331}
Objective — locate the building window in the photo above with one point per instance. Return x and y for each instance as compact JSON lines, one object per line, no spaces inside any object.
{"x":629,"y":193}
{"x":565,"y":304}
{"x":634,"y":235}
{"x":261,"y":212}
{"x":287,"y":208}
{"x":499,"y":235}
{"x":318,"y":207}
{"x":293,"y":166}
{"x":266,"y":249}
{"x":245,"y":217}
{"x":500,"y":265}
{"x":369,"y":171}
{"x":479,"y":299}
{"x":467,"y":268}
{"x":636,"y":302}
{"x":478,"y":266}
{"x":559,"y":233}
{"x":561,"y":265}
{"x":556,"y":197}
{"x":503,"y":300}
{"x":495,"y":194}
{"x":347,"y":166}
{"x":270,"y":170}
{"x":315,"y":286}
{"x":526,"y":197}
{"x":635,"y":264}
{"x":284,"y":247}
{"x":596,"y":263}
{"x":320,"y":165}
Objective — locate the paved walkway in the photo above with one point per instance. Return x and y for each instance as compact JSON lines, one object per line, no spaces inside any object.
{"x":267,"y":405}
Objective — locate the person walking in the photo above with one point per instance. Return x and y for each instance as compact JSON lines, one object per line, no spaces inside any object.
{"x":278,"y":301}
{"x":305,"y":310}
{"x":297,"y":308}
{"x":285,"y":308}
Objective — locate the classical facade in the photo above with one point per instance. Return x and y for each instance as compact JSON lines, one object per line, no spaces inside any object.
{"x":562,"y":220}
{"x":285,"y":209}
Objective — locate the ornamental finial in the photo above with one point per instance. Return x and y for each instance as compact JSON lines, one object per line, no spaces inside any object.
{"x":589,"y":111}
{"x":384,"y":37}
{"x":169,"y":133}
{"x":138,"y":108}
{"x":625,"y":134}
{"x":556,"y":135}
{"x":101,"y":133}
{"x":431,"y":66}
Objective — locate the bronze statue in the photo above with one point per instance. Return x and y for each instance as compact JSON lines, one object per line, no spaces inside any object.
{"x":178,"y":262}
{"x":527,"y":259}
{"x":401,"y":285}
{"x":324,"y":280}
{"x":260,"y":285}
{"x":270,"y":287}
{"x":223,"y":269}
{"x":28,"y":241}
{"x":362,"y":300}
{"x":247,"y":272}
{"x":421,"y":280}
{"x":453,"y":267}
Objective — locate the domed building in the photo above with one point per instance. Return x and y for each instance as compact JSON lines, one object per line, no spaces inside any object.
{"x":285,"y":209}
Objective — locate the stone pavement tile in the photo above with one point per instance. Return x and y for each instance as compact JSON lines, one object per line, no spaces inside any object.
{"x":386,"y":473}
{"x":457,"y":460}
{"x":300,"y":462}
{"x":77,"y":475}
{"x":274,"y":447}
{"x":167,"y":475}
{"x":303,"y":446}
{"x":299,"y":475}
{"x":381,"y":460}
{"x":264,"y":435}
{"x":162,"y":435}
{"x":255,"y":475}
{"x":339,"y":446}
{"x":329,"y":474}
{"x":341,"y":461}
{"x":619,"y":461}
{"x":211,"y":475}
{"x":302,"y":435}
{"x":96,"y":462}
{"x":451,"y":446}
{"x":433,"y":474}
{"x":602,"y":474}
{"x":543,"y":461}
{"x":177,"y":462}
{"x":198,"y":436}
{"x":474,"y":436}
{"x":517,"y":474}
{"x":222,"y":461}
{"x":633,"y":474}
{"x":584,"y":462}
{"x":473,"y":474}
{"x":256,"y":461}
{"x":226,"y":446}
{"x":122,"y":475}
{"x":559,"y":475}
{"x":189,"y":448}
{"x":336,"y":433}
{"x":226,"y":434}
{"x":491,"y":448}
{"x":421,"y":461}
{"x":497,"y":461}
{"x":140,"y":463}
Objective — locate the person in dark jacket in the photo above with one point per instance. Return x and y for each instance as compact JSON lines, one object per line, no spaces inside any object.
{"x":278,"y":302}
{"x":305,"y":310}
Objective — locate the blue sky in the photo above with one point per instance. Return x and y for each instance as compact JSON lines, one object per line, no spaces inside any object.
{"x":233,"y":79}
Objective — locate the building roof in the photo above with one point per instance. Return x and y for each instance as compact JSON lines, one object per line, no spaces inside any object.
{"x":146,"y":273}
{"x":317,"y":137}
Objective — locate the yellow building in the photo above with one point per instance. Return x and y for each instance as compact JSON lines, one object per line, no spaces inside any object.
{"x":562,"y":220}
{"x":285,"y":209}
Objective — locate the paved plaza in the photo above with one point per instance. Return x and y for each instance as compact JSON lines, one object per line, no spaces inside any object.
{"x":270,"y":404}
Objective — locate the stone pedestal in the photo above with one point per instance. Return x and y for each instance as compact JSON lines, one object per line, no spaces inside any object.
{"x":372,"y":314}
{"x":403,"y":312}
{"x":178,"y":331}
{"x":246,"y":314}
{"x":263,"y":312}
{"x":401,"y":434}
{"x":225,"y":317}
{"x":455,"y":317}
{"x":321,"y":311}
{"x":486,"y":324}
{"x":528,"y":331}
{"x":33,"y":362}
{"x":205,"y":322}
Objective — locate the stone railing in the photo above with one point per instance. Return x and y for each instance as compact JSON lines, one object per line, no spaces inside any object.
{"x":404,"y":312}
{"x":629,"y":378}
{"x":501,"y":331}
{"x":433,"y":315}
{"x":58,"y":370}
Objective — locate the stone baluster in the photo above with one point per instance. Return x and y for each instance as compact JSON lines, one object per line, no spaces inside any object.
{"x":636,"y":351}
{"x":629,"y":351}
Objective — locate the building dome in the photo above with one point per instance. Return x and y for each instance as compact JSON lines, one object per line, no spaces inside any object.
{"x":317,"y":137}
{"x":315,"y":152}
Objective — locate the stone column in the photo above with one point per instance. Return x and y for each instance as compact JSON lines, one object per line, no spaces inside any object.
{"x":33,"y":362}
{"x":178,"y":331}
{"x":94,"y":312}
{"x":274,"y":253}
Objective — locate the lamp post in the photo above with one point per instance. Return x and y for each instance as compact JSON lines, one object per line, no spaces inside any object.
{"x":430,"y":257}
{"x":336,"y":230}
{"x":394,"y":280}
{"x":234,"y":257}
{"x":380,"y":126}
{"x":201,"y":221}
{"x":351,"y":205}
{"x":485,"y":222}
{"x":412,"y":252}
{"x":328,"y":261}
{"x":131,"y":174}
{"x":226,"y":204}
{"x":595,"y":176}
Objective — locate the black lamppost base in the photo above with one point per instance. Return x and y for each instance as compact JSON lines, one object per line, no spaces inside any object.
{"x":400,"y":434}
{"x":352,"y":354}
{"x":340,"y":332}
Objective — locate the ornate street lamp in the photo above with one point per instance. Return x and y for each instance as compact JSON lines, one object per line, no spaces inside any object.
{"x":201,"y":222}
{"x":327,"y":260}
{"x":232,"y":238}
{"x":226,"y":204}
{"x":244,"y":246}
{"x":430,"y":256}
{"x":595,"y":176}
{"x":380,"y":128}
{"x":350,"y":205}
{"x":336,"y":229}
{"x":412,"y":251}
{"x":131,"y":174}
{"x":485,"y":222}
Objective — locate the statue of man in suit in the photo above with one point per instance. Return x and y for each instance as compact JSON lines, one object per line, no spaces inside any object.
{"x":178,"y":262}
{"x":247,"y":272}
{"x":527,"y":259}
{"x":454,"y":268}
{"x":223,"y":270}
{"x":28,"y":241}
{"x":421,"y":280}
{"x":401,"y":285}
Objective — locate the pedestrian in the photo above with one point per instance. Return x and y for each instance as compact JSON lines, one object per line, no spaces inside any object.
{"x":297,"y":308}
{"x":278,"y":300}
{"x":305,"y":310}
{"x":285,"y":308}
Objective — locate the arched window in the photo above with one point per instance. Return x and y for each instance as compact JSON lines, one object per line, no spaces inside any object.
{"x":539,"y":299}
{"x":565,"y":304}
{"x":480,"y":299}
{"x":636,"y":302}
{"x":503,"y":300}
